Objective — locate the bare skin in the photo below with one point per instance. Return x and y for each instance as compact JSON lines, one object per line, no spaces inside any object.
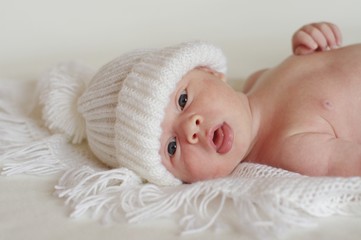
{"x":308,"y":113}
{"x":302,"y":115}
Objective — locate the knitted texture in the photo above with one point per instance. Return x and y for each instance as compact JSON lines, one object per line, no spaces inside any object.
{"x":256,"y":200}
{"x":124,"y":105}
{"x":98,"y":105}
{"x":59,"y":89}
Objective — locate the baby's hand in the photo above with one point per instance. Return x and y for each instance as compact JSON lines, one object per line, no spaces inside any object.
{"x":316,"y":37}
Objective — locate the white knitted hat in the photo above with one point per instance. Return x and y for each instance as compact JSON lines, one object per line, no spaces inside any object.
{"x":123,"y":106}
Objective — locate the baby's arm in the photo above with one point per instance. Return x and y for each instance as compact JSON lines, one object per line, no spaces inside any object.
{"x":316,"y":37}
{"x":321,"y":154}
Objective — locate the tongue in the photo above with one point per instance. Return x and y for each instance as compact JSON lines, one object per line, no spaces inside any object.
{"x":218,"y":138}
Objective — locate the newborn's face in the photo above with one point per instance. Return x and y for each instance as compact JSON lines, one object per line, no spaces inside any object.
{"x":206,"y":130}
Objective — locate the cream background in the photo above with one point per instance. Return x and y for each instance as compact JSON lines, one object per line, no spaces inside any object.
{"x":37,"y":34}
{"x":253,"y":33}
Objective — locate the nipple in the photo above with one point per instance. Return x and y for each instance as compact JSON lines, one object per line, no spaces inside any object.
{"x":327,"y":104}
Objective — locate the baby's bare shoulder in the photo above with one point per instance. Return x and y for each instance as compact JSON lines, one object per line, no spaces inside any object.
{"x":251,"y":81}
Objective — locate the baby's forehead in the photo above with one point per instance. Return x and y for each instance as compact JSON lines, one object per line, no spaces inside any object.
{"x":199,"y":72}
{"x":194,"y":74}
{"x":183,"y":85}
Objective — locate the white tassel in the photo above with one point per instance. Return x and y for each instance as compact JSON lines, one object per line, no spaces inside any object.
{"x":49,"y":155}
{"x":96,"y":191}
{"x":37,"y":157}
{"x":17,"y":130}
{"x":60,"y":89}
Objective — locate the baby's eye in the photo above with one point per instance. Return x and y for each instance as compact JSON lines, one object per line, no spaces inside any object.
{"x":183,"y":98}
{"x":172,"y":147}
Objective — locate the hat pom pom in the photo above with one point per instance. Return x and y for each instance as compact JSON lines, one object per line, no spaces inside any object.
{"x":60,"y":89}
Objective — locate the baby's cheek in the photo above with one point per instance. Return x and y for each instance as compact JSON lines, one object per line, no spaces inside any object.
{"x":193,"y":169}
{"x":201,"y":169}
{"x":176,"y":167}
{"x":223,"y":168}
{"x":173,"y":169}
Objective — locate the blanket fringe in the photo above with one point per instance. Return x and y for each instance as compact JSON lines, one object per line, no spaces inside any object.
{"x":38,"y":157}
{"x":262,"y":206}
{"x":97,"y":191}
{"x":24,"y":146}
{"x":47,"y":156}
{"x":259,"y":200}
{"x":27,"y":147}
{"x":15,"y":130}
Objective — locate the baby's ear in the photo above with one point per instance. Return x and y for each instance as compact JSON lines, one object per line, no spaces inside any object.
{"x":220,"y":75}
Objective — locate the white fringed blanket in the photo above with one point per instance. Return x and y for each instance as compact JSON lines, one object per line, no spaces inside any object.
{"x":257,"y":200}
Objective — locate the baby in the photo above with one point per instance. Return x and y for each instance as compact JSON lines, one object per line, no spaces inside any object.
{"x":169,"y":115}
{"x":303,"y":115}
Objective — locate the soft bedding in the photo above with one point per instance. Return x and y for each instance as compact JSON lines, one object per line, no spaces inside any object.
{"x":256,"y":201}
{"x":42,"y":201}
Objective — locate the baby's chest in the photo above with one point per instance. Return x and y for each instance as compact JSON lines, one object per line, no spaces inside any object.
{"x":337,"y":113}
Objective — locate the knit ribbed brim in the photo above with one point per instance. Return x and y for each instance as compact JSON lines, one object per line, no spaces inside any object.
{"x":98,"y":103}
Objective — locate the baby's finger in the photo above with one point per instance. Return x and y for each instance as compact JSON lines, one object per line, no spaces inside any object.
{"x":337,"y":33}
{"x":301,"y":38}
{"x":328,"y":33}
{"x":302,"y":50}
{"x":317,"y":36}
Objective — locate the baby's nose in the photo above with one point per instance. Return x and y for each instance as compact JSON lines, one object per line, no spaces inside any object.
{"x":192,"y":128}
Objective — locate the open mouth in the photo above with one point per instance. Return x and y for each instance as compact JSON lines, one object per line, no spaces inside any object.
{"x":222,"y":138}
